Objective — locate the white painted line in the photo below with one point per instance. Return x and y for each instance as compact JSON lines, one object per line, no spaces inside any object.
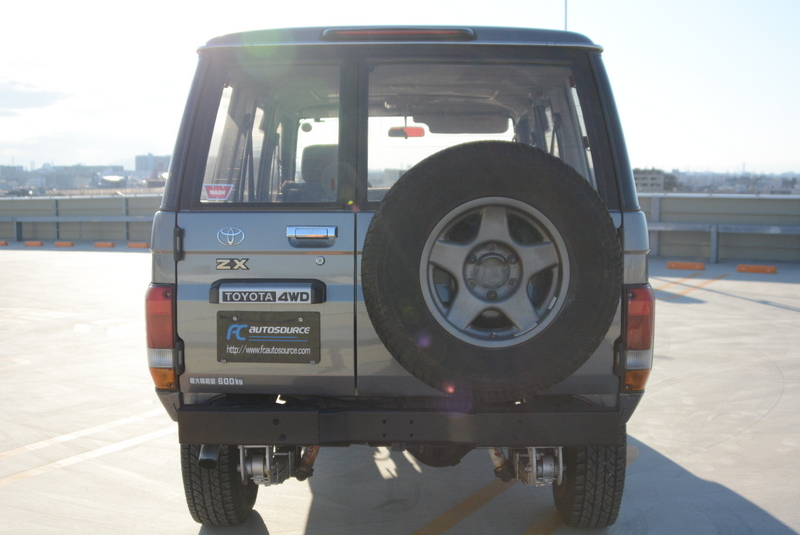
{"x":82,"y":433}
{"x":16,"y":362}
{"x":111,"y":448}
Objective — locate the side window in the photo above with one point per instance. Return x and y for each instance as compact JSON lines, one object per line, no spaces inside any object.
{"x":275,"y":137}
{"x":416,"y":110}
{"x":316,"y":162}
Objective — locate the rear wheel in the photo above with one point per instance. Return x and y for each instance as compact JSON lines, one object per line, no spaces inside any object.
{"x":590,"y":493}
{"x":216,"y":496}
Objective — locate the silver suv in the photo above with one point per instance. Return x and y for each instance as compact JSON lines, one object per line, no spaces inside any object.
{"x":423,"y":238}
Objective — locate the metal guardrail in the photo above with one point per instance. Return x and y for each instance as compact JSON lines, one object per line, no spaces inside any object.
{"x":714,"y":229}
{"x":18,"y":221}
{"x":656,"y":226}
{"x":725,"y":209}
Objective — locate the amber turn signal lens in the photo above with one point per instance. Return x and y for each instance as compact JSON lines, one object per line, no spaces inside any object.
{"x":164,"y":378}
{"x":635,"y":380}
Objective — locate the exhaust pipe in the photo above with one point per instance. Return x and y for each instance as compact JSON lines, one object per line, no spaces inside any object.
{"x":209,"y":456}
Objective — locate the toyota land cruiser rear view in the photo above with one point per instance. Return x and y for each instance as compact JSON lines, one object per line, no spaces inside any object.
{"x":422,"y":238}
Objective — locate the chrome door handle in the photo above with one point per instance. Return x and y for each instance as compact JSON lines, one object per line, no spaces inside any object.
{"x":312,"y":233}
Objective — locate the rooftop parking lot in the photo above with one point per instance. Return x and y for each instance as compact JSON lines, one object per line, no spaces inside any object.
{"x":85,"y":446}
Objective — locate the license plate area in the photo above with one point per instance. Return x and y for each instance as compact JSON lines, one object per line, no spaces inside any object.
{"x":281,"y":337}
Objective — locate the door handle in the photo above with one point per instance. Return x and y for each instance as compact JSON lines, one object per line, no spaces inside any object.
{"x":312,"y":233}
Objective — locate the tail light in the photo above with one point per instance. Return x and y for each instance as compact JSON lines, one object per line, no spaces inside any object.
{"x":639,"y":330}
{"x":160,"y":321}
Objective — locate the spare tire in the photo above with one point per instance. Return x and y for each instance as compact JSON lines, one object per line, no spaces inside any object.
{"x":491,"y":270}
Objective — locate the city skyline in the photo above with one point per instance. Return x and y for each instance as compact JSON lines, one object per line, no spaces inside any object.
{"x":700,"y":86}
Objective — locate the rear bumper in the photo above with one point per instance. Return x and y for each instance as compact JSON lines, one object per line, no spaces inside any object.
{"x":206,"y":424}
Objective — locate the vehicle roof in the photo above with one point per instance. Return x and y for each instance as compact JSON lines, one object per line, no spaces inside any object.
{"x":403,"y":35}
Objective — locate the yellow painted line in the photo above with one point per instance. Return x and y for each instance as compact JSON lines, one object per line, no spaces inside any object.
{"x":111,"y":448}
{"x":65,"y":244}
{"x":631,"y":454}
{"x":104,"y":244}
{"x":697,"y":287}
{"x":77,"y":434}
{"x":138,"y":245}
{"x":545,"y":525}
{"x":465,"y":508}
{"x":34,"y":244}
{"x":673,"y":283}
{"x":3,"y":242}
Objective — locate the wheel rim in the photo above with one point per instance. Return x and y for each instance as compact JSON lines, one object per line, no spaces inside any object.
{"x":494,"y":272}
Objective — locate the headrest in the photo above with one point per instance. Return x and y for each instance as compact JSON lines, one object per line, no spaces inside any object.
{"x":319,"y":163}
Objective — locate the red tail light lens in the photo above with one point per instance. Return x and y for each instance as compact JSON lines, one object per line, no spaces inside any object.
{"x":160,"y":321}
{"x":640,"y":321}
{"x":640,"y":317}
{"x":159,"y":318}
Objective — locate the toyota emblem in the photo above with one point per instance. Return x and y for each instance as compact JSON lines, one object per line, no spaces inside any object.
{"x":230,"y":236}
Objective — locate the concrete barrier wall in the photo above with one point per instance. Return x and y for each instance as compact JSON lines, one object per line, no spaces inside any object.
{"x":777,"y":210}
{"x":664,"y":208}
{"x":144,"y":205}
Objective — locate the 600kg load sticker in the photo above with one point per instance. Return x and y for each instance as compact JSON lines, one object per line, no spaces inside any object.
{"x":288,"y":337}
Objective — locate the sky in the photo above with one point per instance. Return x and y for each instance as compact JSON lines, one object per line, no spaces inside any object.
{"x":701,"y":85}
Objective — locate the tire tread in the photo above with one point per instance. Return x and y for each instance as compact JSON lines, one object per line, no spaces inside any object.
{"x":216,"y":497}
{"x":591,"y":492}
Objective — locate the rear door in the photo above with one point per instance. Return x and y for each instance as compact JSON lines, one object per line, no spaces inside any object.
{"x":421,"y":100}
{"x":266,"y":282}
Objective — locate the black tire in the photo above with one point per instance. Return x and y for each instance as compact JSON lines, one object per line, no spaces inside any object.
{"x":590,"y":493}
{"x":450,"y":249}
{"x":216,"y":496}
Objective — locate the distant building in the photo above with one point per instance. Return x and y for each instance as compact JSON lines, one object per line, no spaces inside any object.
{"x":11,"y":172}
{"x":654,"y":181}
{"x":11,"y":177}
{"x":74,"y":176}
{"x":152,"y":165}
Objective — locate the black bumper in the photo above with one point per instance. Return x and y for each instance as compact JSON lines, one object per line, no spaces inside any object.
{"x":206,"y":424}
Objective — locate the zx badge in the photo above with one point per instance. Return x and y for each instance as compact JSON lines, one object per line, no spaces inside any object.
{"x":232,"y":263}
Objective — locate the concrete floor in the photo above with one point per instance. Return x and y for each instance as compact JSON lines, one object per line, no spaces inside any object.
{"x":86,"y":448}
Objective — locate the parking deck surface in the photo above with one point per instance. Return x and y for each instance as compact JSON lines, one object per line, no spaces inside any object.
{"x":85,"y":446}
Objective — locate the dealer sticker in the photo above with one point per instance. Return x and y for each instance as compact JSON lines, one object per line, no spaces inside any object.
{"x":288,"y":337}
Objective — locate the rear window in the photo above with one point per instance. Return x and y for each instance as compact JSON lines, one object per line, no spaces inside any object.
{"x":416,"y":110}
{"x":276,"y":135}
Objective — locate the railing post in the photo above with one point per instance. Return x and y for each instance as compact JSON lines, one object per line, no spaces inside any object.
{"x":714,"y":247}
{"x":124,"y":213}
{"x":55,"y":225}
{"x":655,"y":217}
